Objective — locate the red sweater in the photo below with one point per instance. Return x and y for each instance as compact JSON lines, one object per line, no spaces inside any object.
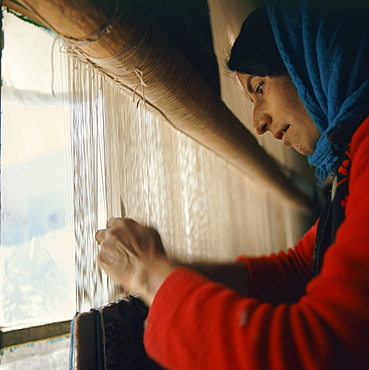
{"x":287,"y":320}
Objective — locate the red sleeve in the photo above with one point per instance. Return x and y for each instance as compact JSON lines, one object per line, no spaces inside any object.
{"x":282,"y":277}
{"x":196,"y":324}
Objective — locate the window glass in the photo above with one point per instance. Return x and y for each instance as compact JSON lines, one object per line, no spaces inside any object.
{"x":37,"y":243}
{"x":46,"y":354}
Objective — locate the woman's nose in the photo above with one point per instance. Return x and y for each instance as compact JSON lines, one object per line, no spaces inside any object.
{"x":262,"y":122}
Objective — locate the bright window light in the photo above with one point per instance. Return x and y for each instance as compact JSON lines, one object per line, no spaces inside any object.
{"x":37,"y":281}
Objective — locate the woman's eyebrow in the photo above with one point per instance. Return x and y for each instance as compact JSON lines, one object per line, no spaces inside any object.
{"x":250,"y":89}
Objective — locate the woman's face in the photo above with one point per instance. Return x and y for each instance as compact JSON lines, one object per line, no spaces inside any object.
{"x":279,"y":109}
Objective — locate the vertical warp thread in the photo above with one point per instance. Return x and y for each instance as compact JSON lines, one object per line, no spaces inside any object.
{"x":85,"y":95}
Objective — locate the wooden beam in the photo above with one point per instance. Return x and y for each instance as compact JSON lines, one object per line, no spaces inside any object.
{"x":16,"y":7}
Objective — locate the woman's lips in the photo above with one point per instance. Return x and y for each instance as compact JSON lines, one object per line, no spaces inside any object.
{"x":281,"y":134}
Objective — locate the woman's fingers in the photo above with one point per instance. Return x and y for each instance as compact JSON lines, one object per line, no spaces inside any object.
{"x":113,"y":222}
{"x":103,"y":234}
{"x":100,"y":235}
{"x":119,"y":221}
{"x":133,"y":255}
{"x":105,"y":257}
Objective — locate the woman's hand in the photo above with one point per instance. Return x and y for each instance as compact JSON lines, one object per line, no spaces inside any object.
{"x":133,"y":256}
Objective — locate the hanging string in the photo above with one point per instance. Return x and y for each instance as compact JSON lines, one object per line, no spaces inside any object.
{"x":52,"y":67}
{"x":142,"y":84}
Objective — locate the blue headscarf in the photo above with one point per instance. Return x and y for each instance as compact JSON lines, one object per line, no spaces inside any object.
{"x":325,"y":47}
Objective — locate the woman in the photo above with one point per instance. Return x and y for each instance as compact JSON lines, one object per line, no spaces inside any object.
{"x":308,"y":76}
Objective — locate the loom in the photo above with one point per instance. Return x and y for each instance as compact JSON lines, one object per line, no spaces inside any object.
{"x":155,"y":141}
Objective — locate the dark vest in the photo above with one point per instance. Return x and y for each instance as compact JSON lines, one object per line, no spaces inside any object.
{"x":333,"y":213}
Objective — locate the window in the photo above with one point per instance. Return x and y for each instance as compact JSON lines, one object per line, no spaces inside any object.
{"x":37,"y":285}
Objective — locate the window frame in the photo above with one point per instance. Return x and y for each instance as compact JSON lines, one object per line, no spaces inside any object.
{"x":21,"y":334}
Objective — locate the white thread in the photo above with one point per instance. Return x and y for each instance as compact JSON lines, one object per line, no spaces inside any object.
{"x":52,"y":67}
{"x":142,"y":84}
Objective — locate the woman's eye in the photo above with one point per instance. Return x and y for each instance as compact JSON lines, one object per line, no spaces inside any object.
{"x":260,"y":88}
